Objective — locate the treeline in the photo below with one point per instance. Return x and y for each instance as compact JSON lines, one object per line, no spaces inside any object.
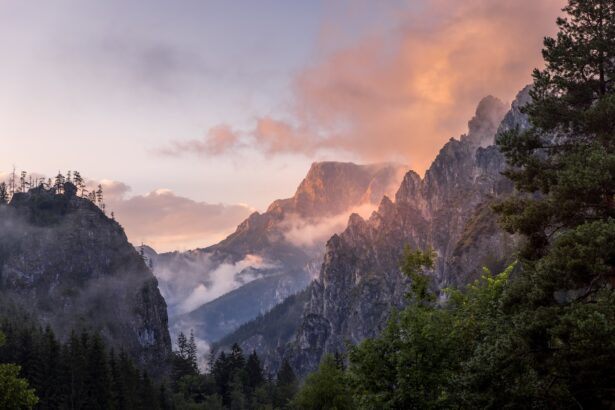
{"x":233,"y":381}
{"x":38,"y":371}
{"x":22,"y":182}
{"x":80,"y":374}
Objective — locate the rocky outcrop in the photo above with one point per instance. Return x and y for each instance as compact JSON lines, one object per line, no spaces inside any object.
{"x":273,"y":254}
{"x":449,"y":210}
{"x":70,"y":266}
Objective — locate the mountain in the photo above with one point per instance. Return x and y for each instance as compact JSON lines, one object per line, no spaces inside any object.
{"x":271,"y":255}
{"x":360,"y":281}
{"x":71,"y":267}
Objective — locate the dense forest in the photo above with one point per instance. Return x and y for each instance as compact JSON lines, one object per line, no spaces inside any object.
{"x":84,"y":374}
{"x":540,"y":334}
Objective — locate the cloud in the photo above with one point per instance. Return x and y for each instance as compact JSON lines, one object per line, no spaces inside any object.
{"x":167,"y":221}
{"x":408,"y":85}
{"x":218,"y":140}
{"x":223,"y":279}
{"x":309,"y":233}
{"x":161,"y":218}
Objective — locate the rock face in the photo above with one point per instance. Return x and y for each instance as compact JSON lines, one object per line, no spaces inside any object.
{"x":71,"y":267}
{"x":271,"y":255}
{"x":448,"y":210}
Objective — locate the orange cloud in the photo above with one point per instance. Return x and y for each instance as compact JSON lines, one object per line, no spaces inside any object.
{"x":169,"y":222}
{"x":400,"y":92}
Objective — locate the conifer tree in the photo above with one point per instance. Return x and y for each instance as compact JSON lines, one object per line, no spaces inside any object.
{"x":15,"y":393}
{"x":4,"y":193}
{"x":59,"y":183}
{"x":286,"y":385}
{"x":563,"y":167}
{"x":97,"y":382}
{"x":254,"y":372}
{"x":192,"y":353}
{"x":325,"y":389}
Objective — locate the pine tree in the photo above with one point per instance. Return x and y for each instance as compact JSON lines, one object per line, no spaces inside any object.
{"x":99,"y":194}
{"x":59,"y":183}
{"x":23,"y":181}
{"x":236,"y":359}
{"x":254,"y":372}
{"x":12,"y":183}
{"x":325,"y":389}
{"x":564,"y":170}
{"x":4,"y":193}
{"x":192,"y":353}
{"x":79,"y":183}
{"x":15,"y":393}
{"x":184,"y":360}
{"x":286,"y":386}
{"x":97,"y":381}
{"x":222,"y":374}
{"x":568,"y":154}
{"x":148,"y":398}
{"x":50,"y":387}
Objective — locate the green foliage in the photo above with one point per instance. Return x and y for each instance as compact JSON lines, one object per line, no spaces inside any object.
{"x":412,"y":265}
{"x":4,"y":193}
{"x":568,"y":156}
{"x":560,"y":309}
{"x":418,"y":360}
{"x":15,"y":393}
{"x":325,"y":389}
{"x":79,"y":374}
{"x":286,"y":386}
{"x":559,"y":333}
{"x":184,"y":359}
{"x":234,"y":382}
{"x":545,"y":338}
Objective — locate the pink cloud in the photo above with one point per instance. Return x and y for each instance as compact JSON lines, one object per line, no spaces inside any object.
{"x":167,"y":221}
{"x":412,"y":82}
{"x":218,"y":140}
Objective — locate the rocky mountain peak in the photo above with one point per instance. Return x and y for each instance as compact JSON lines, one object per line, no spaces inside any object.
{"x":515,"y":117}
{"x":330,"y":188}
{"x":483,"y":126}
{"x":287,"y":241}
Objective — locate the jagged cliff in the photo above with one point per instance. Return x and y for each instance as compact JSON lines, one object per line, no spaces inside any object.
{"x":70,"y":266}
{"x":447,"y":210}
{"x":273,"y":254}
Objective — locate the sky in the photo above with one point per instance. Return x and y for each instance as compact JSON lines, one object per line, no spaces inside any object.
{"x":194,"y":114}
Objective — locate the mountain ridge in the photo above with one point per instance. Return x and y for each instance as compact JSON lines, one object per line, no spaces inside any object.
{"x":285,"y":244}
{"x":447,"y":210}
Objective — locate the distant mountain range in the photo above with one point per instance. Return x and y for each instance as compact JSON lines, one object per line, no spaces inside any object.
{"x":360,"y":281}
{"x":271,"y":255}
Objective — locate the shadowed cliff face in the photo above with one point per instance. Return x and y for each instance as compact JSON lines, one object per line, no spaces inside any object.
{"x":271,"y":255}
{"x":448,"y":210}
{"x":71,"y":267}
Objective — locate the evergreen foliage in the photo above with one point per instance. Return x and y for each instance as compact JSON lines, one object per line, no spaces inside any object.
{"x":234,"y":382}
{"x":70,"y":185}
{"x":15,"y":392}
{"x":325,"y":389}
{"x":80,"y":374}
